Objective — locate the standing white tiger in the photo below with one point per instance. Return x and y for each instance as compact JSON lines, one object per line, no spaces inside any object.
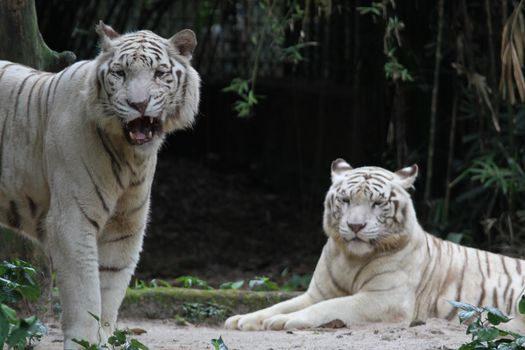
{"x":378,"y":264}
{"x":78,"y":151}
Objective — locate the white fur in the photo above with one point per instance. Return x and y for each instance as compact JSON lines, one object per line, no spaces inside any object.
{"x":395,"y":272}
{"x":70,"y":179}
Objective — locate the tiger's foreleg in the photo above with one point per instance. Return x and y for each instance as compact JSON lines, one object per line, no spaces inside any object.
{"x":118,"y":256}
{"x":72,"y":244}
{"x":254,"y":321}
{"x":387,"y":306}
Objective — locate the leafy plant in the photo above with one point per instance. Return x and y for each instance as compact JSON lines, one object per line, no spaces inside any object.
{"x":200,"y":312}
{"x":118,"y":340}
{"x":270,"y":37}
{"x":262,"y":284}
{"x":193,"y":282}
{"x":232,"y":285}
{"x":218,"y":344}
{"x":154,"y":283}
{"x":394,"y":70}
{"x":18,"y":282}
{"x":484,"y":330}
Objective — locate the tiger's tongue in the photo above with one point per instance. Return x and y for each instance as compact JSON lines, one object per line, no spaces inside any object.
{"x":140,"y":129}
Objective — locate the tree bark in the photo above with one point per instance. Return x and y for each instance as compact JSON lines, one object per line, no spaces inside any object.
{"x":21,"y":41}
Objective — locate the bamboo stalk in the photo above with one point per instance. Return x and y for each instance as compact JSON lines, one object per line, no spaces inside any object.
{"x":433,"y":106}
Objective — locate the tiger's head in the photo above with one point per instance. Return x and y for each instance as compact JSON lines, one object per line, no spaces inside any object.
{"x":144,"y":84}
{"x":368,"y":209}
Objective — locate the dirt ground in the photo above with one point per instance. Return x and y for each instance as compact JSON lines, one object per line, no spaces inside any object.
{"x":164,"y":334}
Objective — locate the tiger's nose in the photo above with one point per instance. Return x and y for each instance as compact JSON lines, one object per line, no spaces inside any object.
{"x":356,"y":227}
{"x":139,"y":106}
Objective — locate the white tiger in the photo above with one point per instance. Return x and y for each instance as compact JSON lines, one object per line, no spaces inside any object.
{"x":78,"y":151}
{"x":378,"y":264}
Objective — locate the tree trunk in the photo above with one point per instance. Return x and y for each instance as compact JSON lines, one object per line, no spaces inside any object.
{"x":21,"y":41}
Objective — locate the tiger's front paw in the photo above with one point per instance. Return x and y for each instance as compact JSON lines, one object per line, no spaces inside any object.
{"x":249,"y":322}
{"x":288,"y":321}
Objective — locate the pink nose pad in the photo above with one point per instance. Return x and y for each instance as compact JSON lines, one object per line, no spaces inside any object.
{"x":139,"y":106}
{"x":356,"y":227}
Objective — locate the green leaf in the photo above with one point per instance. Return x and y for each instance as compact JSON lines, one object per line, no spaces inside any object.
{"x":521,"y":305}
{"x":218,"y":344}
{"x":4,"y":329}
{"x":487,"y":334}
{"x":9,"y":313}
{"x":134,"y":344}
{"x":94,"y":316}
{"x":262,"y":284}
{"x":464,"y":306}
{"x":232,"y":285}
{"x":466,"y":315}
{"x":495,"y":316}
{"x":520,"y":341}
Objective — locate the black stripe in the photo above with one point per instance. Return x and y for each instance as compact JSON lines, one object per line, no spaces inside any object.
{"x":2,"y":141}
{"x":138,"y":182}
{"x":139,"y":207}
{"x":91,"y":221}
{"x":13,"y":216}
{"x":32,"y":206}
{"x":20,"y":89}
{"x":58,"y":82}
{"x":97,"y":190}
{"x":110,"y":269}
{"x":41,"y":229}
{"x":115,"y":166}
{"x":77,"y":68}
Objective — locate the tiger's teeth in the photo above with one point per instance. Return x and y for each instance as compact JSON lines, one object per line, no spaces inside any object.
{"x":150,"y":135}
{"x":151,"y":120}
{"x":131,"y":135}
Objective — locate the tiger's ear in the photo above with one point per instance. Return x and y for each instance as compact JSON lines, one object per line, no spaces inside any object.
{"x":339,"y":166}
{"x":105,"y":34}
{"x":407,"y":176}
{"x":185,"y":42}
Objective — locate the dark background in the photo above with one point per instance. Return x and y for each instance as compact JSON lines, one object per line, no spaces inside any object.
{"x":243,"y":196}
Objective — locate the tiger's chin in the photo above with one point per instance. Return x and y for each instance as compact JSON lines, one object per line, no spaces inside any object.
{"x":356,"y":247}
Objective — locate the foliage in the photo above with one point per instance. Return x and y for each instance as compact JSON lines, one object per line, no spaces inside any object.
{"x":262,"y":283}
{"x":192,"y":282}
{"x":271,"y":36}
{"x":218,"y":344}
{"x":232,"y":285}
{"x":118,"y":340}
{"x":18,"y":282}
{"x":154,"y":283}
{"x":200,"y":312}
{"x":483,"y":326}
{"x":394,"y":70}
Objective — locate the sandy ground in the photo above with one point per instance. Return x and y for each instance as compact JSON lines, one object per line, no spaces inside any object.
{"x":161,"y":334}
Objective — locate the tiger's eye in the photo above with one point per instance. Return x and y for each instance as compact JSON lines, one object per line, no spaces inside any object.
{"x":345,"y":200}
{"x":159,"y":74}
{"x":120,"y":73}
{"x":376,"y":204}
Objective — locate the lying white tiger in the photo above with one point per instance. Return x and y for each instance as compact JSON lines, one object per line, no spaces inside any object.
{"x":77,"y":158}
{"x":378,"y":264}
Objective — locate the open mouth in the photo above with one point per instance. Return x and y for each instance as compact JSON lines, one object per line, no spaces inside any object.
{"x":142,"y":130}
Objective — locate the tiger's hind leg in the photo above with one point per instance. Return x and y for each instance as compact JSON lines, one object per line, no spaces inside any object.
{"x":118,"y":257}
